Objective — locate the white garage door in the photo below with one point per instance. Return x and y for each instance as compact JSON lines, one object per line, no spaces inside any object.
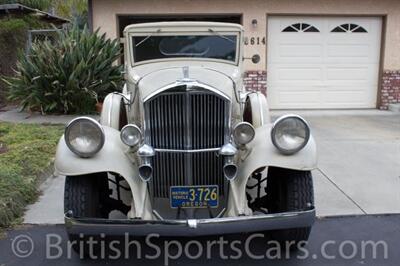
{"x":323,"y":62}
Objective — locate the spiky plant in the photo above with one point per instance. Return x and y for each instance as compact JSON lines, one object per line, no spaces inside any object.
{"x":69,"y":75}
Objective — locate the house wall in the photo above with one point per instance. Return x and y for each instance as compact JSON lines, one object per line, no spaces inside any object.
{"x":105,"y":17}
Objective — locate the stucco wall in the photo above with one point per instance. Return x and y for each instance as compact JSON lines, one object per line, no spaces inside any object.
{"x":105,"y":17}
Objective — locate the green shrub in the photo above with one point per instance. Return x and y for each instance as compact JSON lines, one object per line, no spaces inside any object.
{"x":67,"y":76}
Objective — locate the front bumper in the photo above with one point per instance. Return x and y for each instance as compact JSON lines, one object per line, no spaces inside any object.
{"x":201,"y":227}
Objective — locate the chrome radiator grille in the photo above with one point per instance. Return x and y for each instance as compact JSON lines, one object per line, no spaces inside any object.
{"x":180,"y":125}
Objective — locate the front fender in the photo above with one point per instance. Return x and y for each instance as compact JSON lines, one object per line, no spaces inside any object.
{"x":113,"y":106}
{"x":111,"y":158}
{"x":259,"y":109}
{"x":262,"y":153}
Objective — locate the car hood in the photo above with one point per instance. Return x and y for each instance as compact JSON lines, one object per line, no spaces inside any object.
{"x":158,"y":80}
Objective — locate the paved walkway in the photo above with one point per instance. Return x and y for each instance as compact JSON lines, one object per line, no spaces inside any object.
{"x":358,"y":170}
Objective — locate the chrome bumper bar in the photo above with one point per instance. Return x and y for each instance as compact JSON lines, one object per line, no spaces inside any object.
{"x":200,"y":227}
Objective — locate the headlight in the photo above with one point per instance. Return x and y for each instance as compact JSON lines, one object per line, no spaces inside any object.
{"x":84,"y":136}
{"x":290,"y":134}
{"x":131,"y":135}
{"x":243,"y":133}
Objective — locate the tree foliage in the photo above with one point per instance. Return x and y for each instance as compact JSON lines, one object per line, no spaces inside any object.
{"x":75,"y":10}
{"x":38,"y":4}
{"x":13,"y":35}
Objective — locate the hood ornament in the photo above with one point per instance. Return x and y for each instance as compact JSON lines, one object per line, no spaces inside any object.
{"x":185,"y":70}
{"x":186,"y":78}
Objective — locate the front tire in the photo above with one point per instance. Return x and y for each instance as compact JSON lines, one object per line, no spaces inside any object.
{"x":289,"y":190}
{"x":83,"y":197}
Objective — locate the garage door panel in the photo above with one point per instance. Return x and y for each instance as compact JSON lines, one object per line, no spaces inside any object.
{"x":300,"y":50}
{"x":323,"y":69}
{"x":345,"y":88}
{"x":363,"y":77}
{"x":299,"y":74}
{"x":297,"y":60}
{"x":347,"y":50}
{"x":298,"y":97}
{"x":357,"y":97}
{"x":347,"y":74}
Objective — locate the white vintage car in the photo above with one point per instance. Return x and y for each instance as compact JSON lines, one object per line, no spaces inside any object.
{"x":185,"y":149}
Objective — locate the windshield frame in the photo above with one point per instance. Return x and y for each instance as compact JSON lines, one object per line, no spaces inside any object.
{"x":157,"y":32}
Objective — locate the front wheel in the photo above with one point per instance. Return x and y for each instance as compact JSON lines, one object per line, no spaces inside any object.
{"x":289,"y":190}
{"x":84,"y":197}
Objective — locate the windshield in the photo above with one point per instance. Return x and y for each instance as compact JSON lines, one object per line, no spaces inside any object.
{"x":221,"y":47}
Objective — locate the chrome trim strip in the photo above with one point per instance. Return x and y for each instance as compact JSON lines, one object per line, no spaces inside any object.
{"x":109,"y":110}
{"x":157,"y":215}
{"x":187,"y":84}
{"x":188,"y":145}
{"x":261,"y":110}
{"x":188,"y":151}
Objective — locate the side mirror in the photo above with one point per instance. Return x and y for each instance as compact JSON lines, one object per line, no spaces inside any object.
{"x":255,"y":59}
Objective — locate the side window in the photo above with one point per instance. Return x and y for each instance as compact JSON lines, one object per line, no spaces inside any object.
{"x":349,"y":27}
{"x":300,"y":27}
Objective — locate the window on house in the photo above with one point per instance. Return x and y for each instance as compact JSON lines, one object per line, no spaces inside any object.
{"x":349,"y":27}
{"x":300,"y":27}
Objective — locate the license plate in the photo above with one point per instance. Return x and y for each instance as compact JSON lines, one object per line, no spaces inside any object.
{"x":194,"y":196}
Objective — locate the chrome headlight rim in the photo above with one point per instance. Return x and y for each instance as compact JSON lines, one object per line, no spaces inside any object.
{"x":72,"y":148}
{"x":135,"y":127}
{"x":234,"y":135}
{"x":275,"y":126}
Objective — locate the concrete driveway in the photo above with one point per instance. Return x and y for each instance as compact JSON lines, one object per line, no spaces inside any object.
{"x":359,"y":161}
{"x":358,"y":172}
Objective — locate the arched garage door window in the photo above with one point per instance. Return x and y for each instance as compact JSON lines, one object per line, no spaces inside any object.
{"x":349,"y":27}
{"x":300,"y":27}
